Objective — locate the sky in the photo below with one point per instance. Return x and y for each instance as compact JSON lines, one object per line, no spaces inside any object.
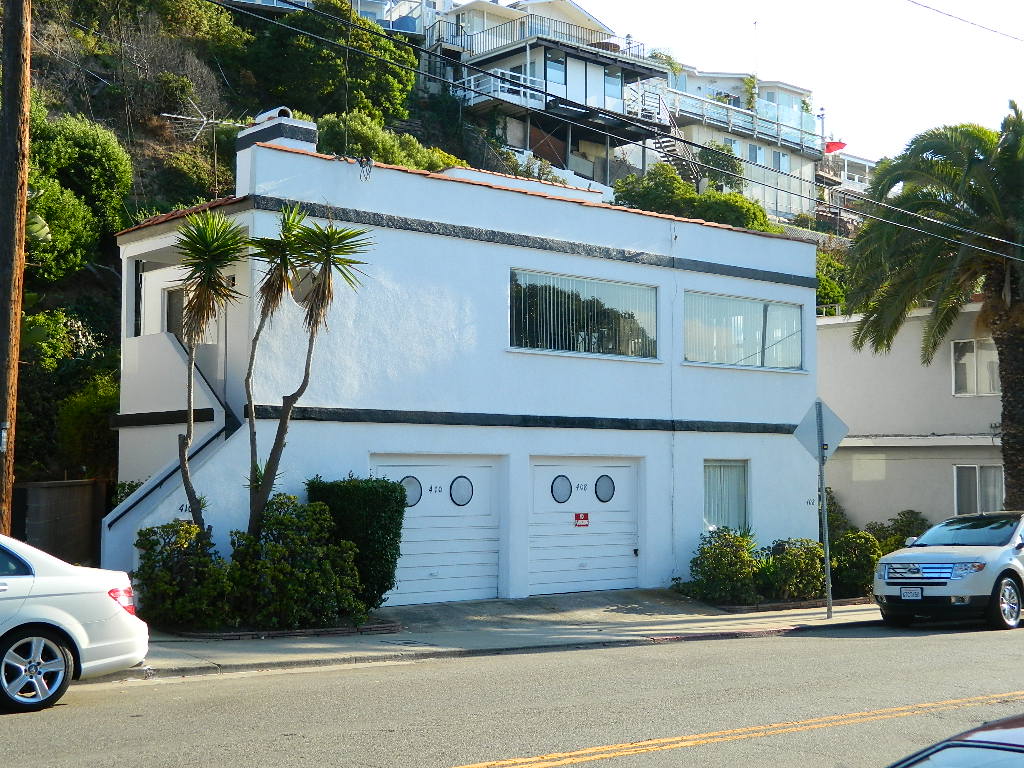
{"x":884,"y":70}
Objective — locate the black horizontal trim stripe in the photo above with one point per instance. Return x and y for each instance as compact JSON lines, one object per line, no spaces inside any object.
{"x":389,"y":221}
{"x":277,"y":131}
{"x":447,"y":418}
{"x":157,"y":418}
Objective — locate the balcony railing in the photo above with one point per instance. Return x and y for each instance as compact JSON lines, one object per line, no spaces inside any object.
{"x":760,"y":124}
{"x":518,"y":30}
{"x":482,"y":87}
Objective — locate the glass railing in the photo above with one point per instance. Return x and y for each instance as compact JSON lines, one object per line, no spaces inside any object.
{"x":764,"y":122}
{"x":541,"y":26}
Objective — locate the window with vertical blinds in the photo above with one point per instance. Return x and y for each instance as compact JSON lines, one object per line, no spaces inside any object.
{"x":578,"y":314}
{"x":725,"y":494}
{"x":748,"y":332}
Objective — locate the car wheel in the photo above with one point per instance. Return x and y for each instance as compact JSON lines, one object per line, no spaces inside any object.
{"x":1004,"y":607}
{"x":893,"y":620}
{"x":35,"y":670}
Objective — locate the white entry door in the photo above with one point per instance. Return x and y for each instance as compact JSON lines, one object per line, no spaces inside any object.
{"x":450,"y":536}
{"x":583,"y":527}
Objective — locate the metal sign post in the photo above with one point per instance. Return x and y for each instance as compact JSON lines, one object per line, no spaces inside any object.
{"x":820,"y":433}
{"x":823,"y":507}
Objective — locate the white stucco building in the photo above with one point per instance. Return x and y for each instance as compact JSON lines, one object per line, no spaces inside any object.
{"x":571,"y":392}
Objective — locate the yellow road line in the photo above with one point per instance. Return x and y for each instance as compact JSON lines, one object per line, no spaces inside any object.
{"x":591,"y":754}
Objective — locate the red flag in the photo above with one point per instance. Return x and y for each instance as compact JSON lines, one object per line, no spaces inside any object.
{"x":834,"y":146}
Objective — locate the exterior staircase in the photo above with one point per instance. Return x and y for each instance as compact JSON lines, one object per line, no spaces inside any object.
{"x":678,"y":154}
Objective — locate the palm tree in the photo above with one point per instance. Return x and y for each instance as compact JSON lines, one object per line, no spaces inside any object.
{"x":283,"y":271}
{"x":323,"y":251}
{"x":208,"y":242}
{"x":966,"y":183}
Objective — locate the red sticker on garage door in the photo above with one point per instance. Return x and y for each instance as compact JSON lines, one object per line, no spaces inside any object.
{"x":582,"y":519}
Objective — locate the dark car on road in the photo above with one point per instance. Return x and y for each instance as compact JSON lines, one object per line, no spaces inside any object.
{"x":998,"y":744}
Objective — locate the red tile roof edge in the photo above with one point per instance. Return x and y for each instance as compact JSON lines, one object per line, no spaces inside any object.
{"x":182,"y":213}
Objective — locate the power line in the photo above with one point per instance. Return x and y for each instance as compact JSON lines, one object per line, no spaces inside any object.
{"x":965,"y":21}
{"x":349,"y":24}
{"x":567,"y":121}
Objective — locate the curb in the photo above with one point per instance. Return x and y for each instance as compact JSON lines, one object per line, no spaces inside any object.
{"x":143,"y":672}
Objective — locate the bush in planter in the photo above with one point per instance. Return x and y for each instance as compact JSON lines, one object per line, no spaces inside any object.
{"x":723,"y":569}
{"x":181,"y":581}
{"x":797,"y":570}
{"x":854,"y":556}
{"x":368,"y":512}
{"x":297,"y":573}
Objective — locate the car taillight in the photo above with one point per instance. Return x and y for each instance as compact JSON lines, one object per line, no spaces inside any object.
{"x":124,"y":598}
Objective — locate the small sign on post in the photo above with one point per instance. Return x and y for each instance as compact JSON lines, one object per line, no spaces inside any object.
{"x":820,"y":433}
{"x":582,"y":519}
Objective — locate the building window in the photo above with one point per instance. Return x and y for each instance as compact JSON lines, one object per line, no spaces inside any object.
{"x":725,"y":330}
{"x":613,"y":82}
{"x":978,"y":488}
{"x":780,"y":161}
{"x":975,"y":367}
{"x":755,"y":154}
{"x":732,"y":144}
{"x":555,"y":67}
{"x":725,"y":494}
{"x":578,"y":314}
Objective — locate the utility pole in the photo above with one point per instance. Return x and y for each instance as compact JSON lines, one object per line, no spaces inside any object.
{"x":14,"y":106}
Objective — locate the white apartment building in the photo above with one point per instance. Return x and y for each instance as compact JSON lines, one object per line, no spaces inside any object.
{"x":570,"y":392}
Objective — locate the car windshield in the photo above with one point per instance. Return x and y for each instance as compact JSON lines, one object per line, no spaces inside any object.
{"x":980,"y":531}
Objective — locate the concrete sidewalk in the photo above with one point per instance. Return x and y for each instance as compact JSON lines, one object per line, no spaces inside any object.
{"x":588,"y":619}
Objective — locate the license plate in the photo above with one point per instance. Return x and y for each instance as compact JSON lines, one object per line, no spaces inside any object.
{"x":910,"y":593}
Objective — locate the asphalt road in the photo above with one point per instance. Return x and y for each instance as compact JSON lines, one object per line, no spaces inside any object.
{"x":856,"y":697}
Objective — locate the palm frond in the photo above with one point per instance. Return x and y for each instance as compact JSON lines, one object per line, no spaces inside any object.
{"x":326,"y":250}
{"x":282,"y":260}
{"x":209,"y":243}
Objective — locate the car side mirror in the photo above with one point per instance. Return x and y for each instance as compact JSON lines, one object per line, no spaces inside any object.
{"x":910,"y":541}
{"x":1020,"y":543}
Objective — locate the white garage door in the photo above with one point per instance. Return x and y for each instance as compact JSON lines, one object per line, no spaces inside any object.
{"x":450,"y":534}
{"x":583,"y":527}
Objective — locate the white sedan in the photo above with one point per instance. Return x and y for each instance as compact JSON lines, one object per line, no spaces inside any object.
{"x":60,"y":622}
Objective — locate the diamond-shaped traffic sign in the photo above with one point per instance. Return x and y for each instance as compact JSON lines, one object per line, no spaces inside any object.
{"x":833,"y":430}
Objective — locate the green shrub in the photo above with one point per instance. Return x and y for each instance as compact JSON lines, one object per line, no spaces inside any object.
{"x":854,"y":556}
{"x":368,"y":512}
{"x":357,"y":135}
{"x":723,"y":569}
{"x":297,"y":573}
{"x":181,"y":581}
{"x":123,"y":490}
{"x":893,"y":534}
{"x":83,"y":426}
{"x":794,"y":569}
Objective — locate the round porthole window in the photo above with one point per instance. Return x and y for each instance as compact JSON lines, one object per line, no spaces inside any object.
{"x":604,"y":488}
{"x":413,"y":490}
{"x":461,"y":490}
{"x":561,"y":489}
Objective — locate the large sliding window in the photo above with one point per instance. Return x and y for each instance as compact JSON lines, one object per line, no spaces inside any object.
{"x":579,"y":314}
{"x":975,"y":367}
{"x":978,"y":488}
{"x":725,"y":494}
{"x":725,"y":330}
{"x":555,"y":67}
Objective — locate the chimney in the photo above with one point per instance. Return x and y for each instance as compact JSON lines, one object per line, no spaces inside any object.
{"x":275,"y":126}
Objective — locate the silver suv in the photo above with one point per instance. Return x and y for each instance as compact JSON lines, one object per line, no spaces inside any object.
{"x":969,"y":566}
